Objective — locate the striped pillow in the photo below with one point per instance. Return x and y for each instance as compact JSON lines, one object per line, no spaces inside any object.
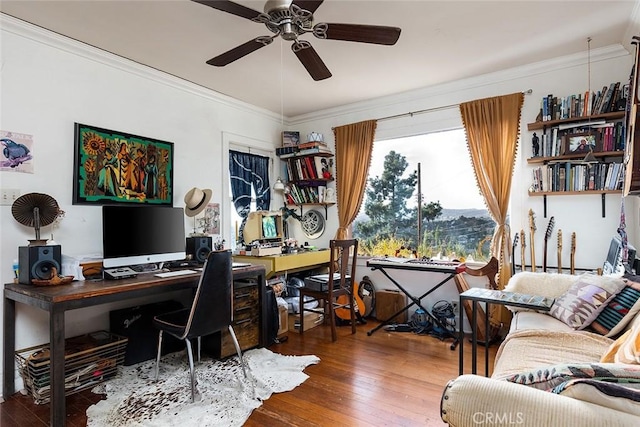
{"x":620,"y":310}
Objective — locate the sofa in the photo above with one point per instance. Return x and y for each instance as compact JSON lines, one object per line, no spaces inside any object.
{"x":576,"y":365}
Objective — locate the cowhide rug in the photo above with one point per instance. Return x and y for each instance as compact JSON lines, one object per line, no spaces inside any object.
{"x":225,"y":397}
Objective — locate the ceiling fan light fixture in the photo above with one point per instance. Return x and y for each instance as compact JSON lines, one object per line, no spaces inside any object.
{"x":290,"y":19}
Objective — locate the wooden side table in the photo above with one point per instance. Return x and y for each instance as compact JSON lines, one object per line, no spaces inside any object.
{"x":490,"y":296}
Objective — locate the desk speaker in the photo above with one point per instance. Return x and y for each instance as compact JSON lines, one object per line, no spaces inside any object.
{"x":37,"y":262}
{"x":198,"y":248}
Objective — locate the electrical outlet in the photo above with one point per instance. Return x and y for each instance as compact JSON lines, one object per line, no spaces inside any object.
{"x":8,"y":196}
{"x":456,"y":308}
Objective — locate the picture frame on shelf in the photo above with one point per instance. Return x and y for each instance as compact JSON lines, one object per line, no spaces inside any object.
{"x":112,"y":167}
{"x":582,"y":142}
{"x":290,"y":138}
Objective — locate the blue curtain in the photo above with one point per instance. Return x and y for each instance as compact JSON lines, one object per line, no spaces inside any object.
{"x":247,"y":171}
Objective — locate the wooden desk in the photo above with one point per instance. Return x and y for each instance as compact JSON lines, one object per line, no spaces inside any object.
{"x":58,"y":299}
{"x":288,"y":263}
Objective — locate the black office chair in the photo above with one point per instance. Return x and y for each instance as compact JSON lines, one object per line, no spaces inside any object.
{"x":337,"y":293}
{"x":211,"y":311}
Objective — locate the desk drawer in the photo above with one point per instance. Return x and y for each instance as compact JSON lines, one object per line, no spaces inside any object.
{"x":246,"y":322}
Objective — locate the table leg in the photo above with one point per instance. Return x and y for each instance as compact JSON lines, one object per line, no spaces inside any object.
{"x":486,"y":339}
{"x":460,"y":342}
{"x":474,"y":339}
{"x":9,"y":339}
{"x":57,"y":368}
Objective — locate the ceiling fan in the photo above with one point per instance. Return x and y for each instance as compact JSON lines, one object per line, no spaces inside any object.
{"x":290,"y":19}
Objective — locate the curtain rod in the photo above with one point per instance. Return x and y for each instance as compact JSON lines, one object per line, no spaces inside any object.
{"x":428,"y":110}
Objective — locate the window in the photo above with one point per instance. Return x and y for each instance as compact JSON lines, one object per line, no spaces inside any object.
{"x":455,"y":222}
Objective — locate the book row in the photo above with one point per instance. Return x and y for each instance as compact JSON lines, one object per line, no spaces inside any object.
{"x":299,"y":195}
{"x":604,"y":138}
{"x":611,"y":98}
{"x":577,"y":177}
{"x":303,"y":148}
{"x":310,"y":168}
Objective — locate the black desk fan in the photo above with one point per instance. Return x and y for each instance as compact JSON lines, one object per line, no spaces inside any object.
{"x":35,"y":210}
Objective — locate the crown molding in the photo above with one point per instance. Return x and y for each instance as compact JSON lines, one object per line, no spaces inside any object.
{"x":40,"y":35}
{"x":397,"y":103}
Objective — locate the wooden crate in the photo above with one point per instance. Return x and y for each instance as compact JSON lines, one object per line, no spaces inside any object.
{"x":389,"y":302}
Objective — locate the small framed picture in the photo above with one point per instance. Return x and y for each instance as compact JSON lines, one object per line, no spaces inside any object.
{"x":575,"y":143}
{"x":290,"y":138}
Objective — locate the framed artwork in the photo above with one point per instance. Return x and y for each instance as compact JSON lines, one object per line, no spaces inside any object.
{"x":113,"y":167}
{"x":580,"y":142}
{"x":290,"y":138}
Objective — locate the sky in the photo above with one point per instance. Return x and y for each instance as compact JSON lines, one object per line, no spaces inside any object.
{"x":445,"y":167}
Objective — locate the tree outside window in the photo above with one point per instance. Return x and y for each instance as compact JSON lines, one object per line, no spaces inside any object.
{"x":454,"y":221}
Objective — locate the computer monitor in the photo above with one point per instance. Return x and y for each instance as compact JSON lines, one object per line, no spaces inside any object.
{"x":263,"y":227}
{"x":134,"y":235}
{"x":614,"y":264}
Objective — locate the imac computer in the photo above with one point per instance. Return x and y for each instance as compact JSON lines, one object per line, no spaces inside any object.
{"x":614,"y":264}
{"x":141,"y":235}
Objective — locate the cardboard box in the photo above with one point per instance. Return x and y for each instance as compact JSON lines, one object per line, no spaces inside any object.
{"x":389,"y":302}
{"x":311,"y":320}
{"x":284,"y":321}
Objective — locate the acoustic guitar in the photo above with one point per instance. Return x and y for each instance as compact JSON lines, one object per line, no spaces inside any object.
{"x":343,"y":313}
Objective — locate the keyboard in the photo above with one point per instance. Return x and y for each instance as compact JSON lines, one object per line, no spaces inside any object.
{"x":416,"y":264}
{"x":175,"y":273}
{"x":240,"y":264}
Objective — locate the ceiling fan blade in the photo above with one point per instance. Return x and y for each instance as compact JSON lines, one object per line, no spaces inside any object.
{"x":239,"y":51}
{"x":310,"y":5}
{"x":231,"y":7}
{"x":311,"y":60}
{"x":357,"y":33}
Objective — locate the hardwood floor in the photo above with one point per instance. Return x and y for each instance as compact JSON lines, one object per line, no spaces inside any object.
{"x":386,"y":379}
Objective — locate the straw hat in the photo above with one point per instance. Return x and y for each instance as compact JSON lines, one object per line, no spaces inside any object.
{"x":196,"y":200}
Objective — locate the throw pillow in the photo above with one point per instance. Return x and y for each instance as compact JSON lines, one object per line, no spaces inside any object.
{"x":620,"y":310}
{"x":625,"y":349}
{"x":585,"y":299}
{"x":548,"y":377}
{"x":621,"y":395}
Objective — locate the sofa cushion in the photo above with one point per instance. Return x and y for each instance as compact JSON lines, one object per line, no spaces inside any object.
{"x":585,"y":299}
{"x":620,"y":310}
{"x":550,"y":285}
{"x":531,"y":348}
{"x":625,"y":349}
{"x":534,"y":320}
{"x":550,"y":376}
{"x":619,"y":394}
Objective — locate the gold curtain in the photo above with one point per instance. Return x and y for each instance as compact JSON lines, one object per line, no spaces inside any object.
{"x":492,"y":127}
{"x":354,"y":144}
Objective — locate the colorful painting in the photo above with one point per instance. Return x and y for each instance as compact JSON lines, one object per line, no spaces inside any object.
{"x":115,"y":167}
{"x":17,"y":152}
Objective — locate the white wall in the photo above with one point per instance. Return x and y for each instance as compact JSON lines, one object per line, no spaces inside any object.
{"x":560,"y":77}
{"x":49,"y":82}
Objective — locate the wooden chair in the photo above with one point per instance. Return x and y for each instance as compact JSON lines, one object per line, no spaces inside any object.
{"x":211,"y":311}
{"x":489,"y":271}
{"x":334,"y":294}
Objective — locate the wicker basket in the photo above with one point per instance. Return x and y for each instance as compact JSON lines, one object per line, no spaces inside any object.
{"x":89,"y":360}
